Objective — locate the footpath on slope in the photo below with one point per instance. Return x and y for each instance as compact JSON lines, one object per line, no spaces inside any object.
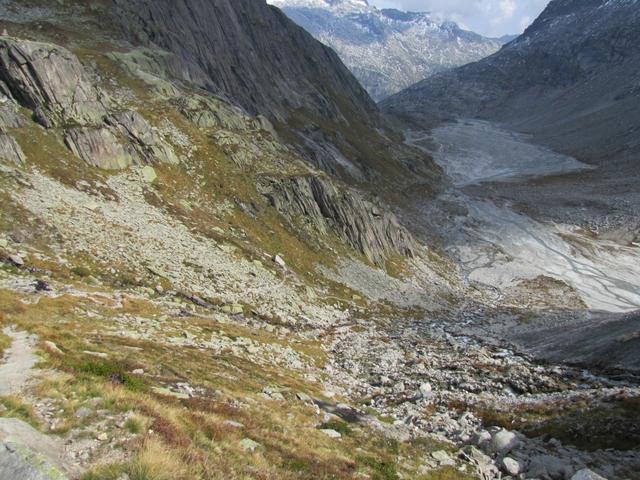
{"x":25,"y":453}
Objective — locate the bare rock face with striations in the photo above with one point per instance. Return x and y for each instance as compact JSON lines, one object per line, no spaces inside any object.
{"x":49,"y":80}
{"x":250,"y":52}
{"x":359,"y":223}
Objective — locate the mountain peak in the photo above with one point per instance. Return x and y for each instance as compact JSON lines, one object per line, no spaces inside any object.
{"x":387,"y":49}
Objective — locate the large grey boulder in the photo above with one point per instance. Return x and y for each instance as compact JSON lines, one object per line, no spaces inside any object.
{"x":586,"y":474}
{"x":49,"y":80}
{"x":98,"y":147}
{"x":503,"y":441}
{"x":27,"y":454}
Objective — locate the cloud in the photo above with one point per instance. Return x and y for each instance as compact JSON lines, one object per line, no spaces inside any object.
{"x":488,"y":17}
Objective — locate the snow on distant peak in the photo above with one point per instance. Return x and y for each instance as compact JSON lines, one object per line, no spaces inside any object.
{"x":387,"y":49}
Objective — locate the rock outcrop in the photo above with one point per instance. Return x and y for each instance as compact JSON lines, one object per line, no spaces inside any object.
{"x":98,"y":147}
{"x":27,"y":454}
{"x":149,"y":146}
{"x":10,"y":150}
{"x":49,"y":80}
{"x":356,"y":221}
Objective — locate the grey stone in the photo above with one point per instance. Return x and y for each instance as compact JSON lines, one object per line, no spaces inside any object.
{"x":443,"y":458}
{"x":503,"y":441}
{"x":426,"y":390}
{"x":278,"y":260}
{"x":586,"y":474}
{"x":510,"y":466}
{"x":16,"y":260}
{"x":233,"y":424}
{"x":149,"y":174}
{"x":27,"y":454}
{"x":303,"y":397}
{"x":52,"y":347}
{"x":83,"y":412}
{"x":331,"y":433}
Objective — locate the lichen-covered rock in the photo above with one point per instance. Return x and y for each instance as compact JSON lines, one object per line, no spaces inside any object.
{"x":10,"y":150}
{"x":27,"y":454}
{"x":49,"y":80}
{"x":98,"y":147}
{"x":147,"y":143}
{"x":358,"y":222}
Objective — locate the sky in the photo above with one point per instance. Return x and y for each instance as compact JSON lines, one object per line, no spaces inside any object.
{"x":492,"y":18}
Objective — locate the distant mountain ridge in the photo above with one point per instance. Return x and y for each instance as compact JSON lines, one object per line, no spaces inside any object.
{"x":388,"y":49}
{"x":571,"y":78}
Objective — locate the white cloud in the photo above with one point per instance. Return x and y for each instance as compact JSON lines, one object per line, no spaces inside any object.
{"x":489,"y":17}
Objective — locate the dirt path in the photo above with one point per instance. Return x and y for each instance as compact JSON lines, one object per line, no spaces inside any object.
{"x":18,"y":365}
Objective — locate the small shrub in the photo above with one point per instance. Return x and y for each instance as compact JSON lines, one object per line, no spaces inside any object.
{"x":81,"y":272}
{"x":113,"y":371}
{"x":381,"y":470}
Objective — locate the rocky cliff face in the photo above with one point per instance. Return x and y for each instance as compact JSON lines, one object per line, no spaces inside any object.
{"x":386,"y":49}
{"x":249,"y":51}
{"x":570,"y":78}
{"x":326,"y":209}
{"x":252,"y":55}
{"x":51,"y":82}
{"x":98,"y":127}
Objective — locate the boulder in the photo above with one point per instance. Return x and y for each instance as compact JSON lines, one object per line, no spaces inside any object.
{"x":51,"y":81}
{"x":426,"y":390}
{"x":503,"y":441}
{"x":16,"y":260}
{"x":278,"y":260}
{"x":27,"y":454}
{"x":586,"y":474}
{"x":331,"y":433}
{"x":148,"y":174}
{"x":443,"y":458}
{"x":510,"y":466}
{"x":98,"y":147}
